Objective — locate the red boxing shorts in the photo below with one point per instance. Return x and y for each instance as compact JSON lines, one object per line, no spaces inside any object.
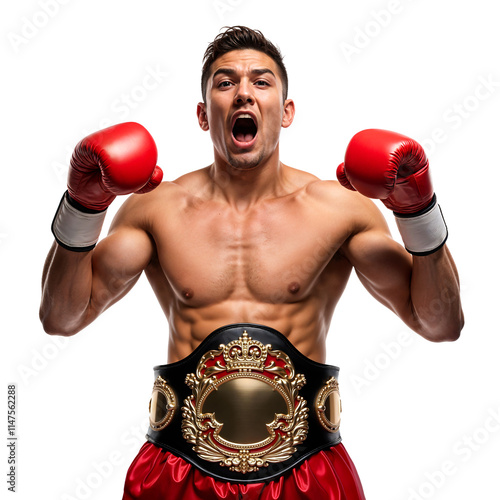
{"x":157,"y":474}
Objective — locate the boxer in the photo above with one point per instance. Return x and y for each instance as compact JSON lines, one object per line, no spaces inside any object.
{"x":248,"y":258}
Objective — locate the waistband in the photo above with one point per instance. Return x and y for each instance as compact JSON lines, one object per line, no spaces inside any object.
{"x":245,"y":405}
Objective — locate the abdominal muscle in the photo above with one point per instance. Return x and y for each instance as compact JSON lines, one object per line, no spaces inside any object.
{"x":300,"y":326}
{"x":304,"y":320}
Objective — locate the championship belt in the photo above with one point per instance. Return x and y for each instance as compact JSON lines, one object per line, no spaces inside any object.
{"x":245,"y":405}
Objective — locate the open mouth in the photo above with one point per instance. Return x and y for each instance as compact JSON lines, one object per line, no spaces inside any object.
{"x":244,"y":129}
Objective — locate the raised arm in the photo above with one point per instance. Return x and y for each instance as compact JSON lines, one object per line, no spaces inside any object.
{"x":79,"y":279}
{"x":420,"y":284}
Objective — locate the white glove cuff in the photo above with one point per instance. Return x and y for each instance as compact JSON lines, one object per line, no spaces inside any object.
{"x":423,"y":234}
{"x":74,"y":229}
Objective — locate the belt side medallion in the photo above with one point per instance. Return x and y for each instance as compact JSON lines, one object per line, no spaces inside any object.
{"x":245,"y":410}
{"x":161,"y":405}
{"x":328,"y":405}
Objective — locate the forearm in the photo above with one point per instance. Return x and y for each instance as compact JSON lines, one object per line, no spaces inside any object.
{"x":435,"y":297}
{"x":79,"y":280}
{"x":66,"y":291}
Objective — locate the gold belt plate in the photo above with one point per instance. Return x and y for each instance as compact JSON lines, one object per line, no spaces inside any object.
{"x":161,"y":405}
{"x":245,"y":410}
{"x":328,"y":405}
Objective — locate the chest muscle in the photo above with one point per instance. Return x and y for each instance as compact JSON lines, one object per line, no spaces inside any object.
{"x":266,"y":255}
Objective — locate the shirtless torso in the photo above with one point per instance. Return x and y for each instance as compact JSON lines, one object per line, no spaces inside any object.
{"x":212,"y":264}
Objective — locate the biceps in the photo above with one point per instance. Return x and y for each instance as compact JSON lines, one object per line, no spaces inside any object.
{"x":383,"y":267}
{"x":117,"y":264}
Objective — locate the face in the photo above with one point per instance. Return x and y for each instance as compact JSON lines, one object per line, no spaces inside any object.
{"x":244,"y":109}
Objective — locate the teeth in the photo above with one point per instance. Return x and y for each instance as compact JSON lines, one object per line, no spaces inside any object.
{"x":244,"y":115}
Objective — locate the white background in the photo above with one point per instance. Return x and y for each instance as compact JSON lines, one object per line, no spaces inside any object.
{"x":420,"y":420}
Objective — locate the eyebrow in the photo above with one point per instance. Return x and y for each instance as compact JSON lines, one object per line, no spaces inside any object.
{"x":231,"y":71}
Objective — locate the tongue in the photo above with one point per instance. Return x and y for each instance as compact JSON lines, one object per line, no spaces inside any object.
{"x":241,"y":137}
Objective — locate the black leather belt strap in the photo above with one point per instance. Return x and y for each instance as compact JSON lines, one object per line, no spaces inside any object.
{"x":245,"y":405}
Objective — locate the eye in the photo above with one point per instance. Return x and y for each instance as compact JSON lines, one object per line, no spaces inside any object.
{"x":224,"y":84}
{"x":261,"y":83}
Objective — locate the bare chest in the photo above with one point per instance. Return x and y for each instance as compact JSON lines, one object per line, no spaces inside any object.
{"x":274,"y":254}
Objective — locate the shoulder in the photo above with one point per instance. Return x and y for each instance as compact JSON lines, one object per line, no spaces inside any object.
{"x":333,"y":199}
{"x":140,"y":210}
{"x":310,"y":186}
{"x":363,"y":223}
{"x":350,"y":203}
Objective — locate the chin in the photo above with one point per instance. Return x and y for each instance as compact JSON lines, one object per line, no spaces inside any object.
{"x":244,"y":166}
{"x":245,"y":161}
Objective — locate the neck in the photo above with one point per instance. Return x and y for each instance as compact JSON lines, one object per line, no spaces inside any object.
{"x":242,"y":188}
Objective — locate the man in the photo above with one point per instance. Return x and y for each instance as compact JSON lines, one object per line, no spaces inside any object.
{"x":258,"y":253}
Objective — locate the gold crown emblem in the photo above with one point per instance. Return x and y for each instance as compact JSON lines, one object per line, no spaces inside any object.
{"x":245,"y":354}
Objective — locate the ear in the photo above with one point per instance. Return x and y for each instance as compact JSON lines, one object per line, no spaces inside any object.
{"x":201,"y":112}
{"x":288,"y":113}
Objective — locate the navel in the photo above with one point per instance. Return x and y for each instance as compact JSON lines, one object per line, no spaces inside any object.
{"x":294,"y":287}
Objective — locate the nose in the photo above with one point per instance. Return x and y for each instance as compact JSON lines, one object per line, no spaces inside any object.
{"x":244,"y":94}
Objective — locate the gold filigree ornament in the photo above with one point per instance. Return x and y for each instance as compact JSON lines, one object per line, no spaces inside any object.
{"x":328,"y":405}
{"x":245,"y":410}
{"x":161,"y":405}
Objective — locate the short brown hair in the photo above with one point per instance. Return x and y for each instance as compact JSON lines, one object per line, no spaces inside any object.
{"x":239,"y":38}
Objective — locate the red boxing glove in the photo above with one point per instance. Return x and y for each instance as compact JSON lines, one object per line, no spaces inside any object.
{"x":393,"y":168}
{"x":117,"y":160}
